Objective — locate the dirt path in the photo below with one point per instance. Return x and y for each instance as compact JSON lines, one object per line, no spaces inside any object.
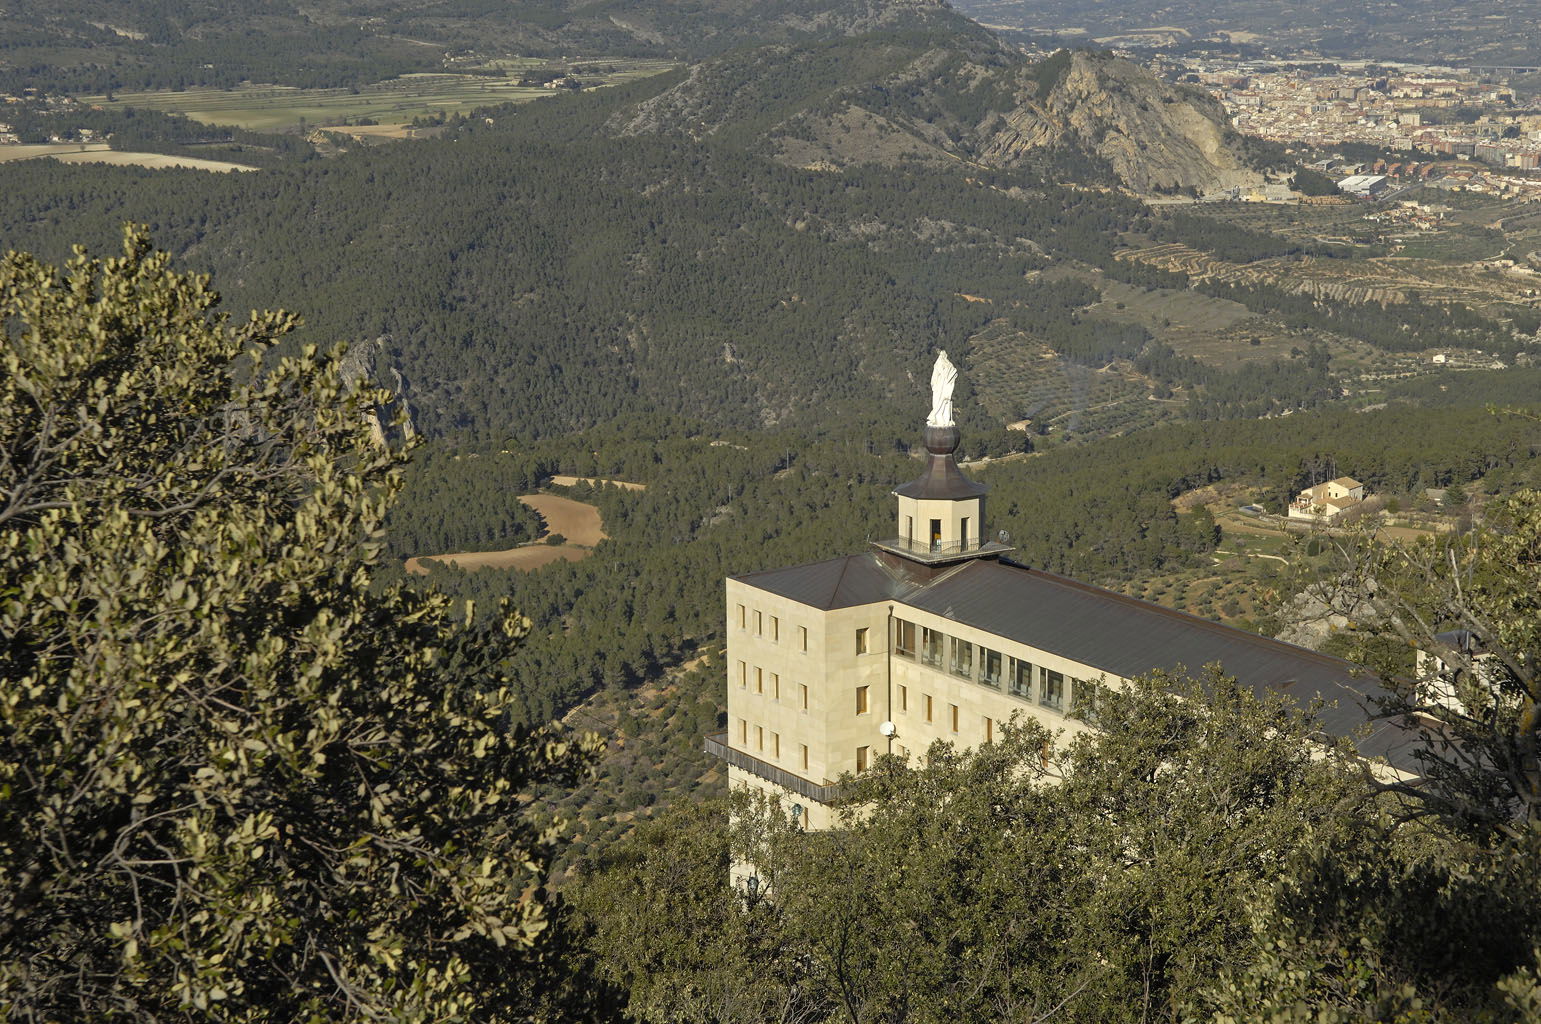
{"x":578,"y":522}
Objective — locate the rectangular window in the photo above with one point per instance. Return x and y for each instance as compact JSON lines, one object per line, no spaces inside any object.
{"x":775,"y":629}
{"x":861,"y":759}
{"x":775,"y":686}
{"x":861,"y":700}
{"x":904,"y":638}
{"x":804,"y":747}
{"x":931,"y":647}
{"x":989,"y":731}
{"x":776,"y":745}
{"x":802,"y":637}
{"x":962,"y":663}
{"x":861,"y":640}
{"x":990,"y":667}
{"x":742,"y":617}
{"x":759,"y":624}
{"x":805,"y":695}
{"x":928,"y":707}
{"x":743,"y":732}
{"x":759,"y":737}
{"x":1051,"y":689}
{"x":759,"y":679}
{"x":954,"y":717}
{"x":1021,"y":679}
{"x":743,"y":676}
{"x":904,"y":698}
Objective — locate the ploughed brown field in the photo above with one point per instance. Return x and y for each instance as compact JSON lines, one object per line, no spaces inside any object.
{"x":578,"y":522}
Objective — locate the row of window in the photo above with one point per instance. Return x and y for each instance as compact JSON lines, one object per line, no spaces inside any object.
{"x":770,"y":750}
{"x":759,"y":620}
{"x":928,"y":712}
{"x":980,"y":664}
{"x":769,"y":684}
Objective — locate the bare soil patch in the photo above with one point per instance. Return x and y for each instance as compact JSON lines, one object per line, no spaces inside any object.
{"x":531,"y":556}
{"x":595,"y":481}
{"x":99,"y":153}
{"x":578,"y":522}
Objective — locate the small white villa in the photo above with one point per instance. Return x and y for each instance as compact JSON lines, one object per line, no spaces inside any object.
{"x":1325,"y":502}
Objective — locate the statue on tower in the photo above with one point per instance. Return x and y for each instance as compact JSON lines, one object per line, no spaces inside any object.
{"x":943,"y":376}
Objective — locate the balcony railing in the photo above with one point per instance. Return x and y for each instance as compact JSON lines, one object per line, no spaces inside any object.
{"x":717,"y":745}
{"x":940,"y":551}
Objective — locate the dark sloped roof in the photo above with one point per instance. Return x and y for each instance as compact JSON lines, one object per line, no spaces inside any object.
{"x":1127,"y":637}
{"x":1120,"y":635}
{"x":942,"y":479}
{"x":835,"y":583}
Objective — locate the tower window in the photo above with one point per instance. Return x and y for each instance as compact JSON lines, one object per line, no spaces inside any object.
{"x":759,"y":623}
{"x":742,"y":617}
{"x":861,"y":701}
{"x":759,"y":737}
{"x":861,"y":759}
{"x":759,"y":679}
{"x":805,"y":695}
{"x":775,"y":685}
{"x":954,"y":717}
{"x":743,"y":676}
{"x":775,"y":629}
{"x":804,"y":747}
{"x":904,"y":697}
{"x":928,"y":707}
{"x":861,"y":640}
{"x":802,"y":637}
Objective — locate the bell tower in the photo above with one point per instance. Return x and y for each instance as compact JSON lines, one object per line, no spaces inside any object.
{"x":943,"y":512}
{"x":941,"y":515}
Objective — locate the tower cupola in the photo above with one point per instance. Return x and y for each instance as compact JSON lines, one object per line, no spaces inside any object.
{"x":941,"y":515}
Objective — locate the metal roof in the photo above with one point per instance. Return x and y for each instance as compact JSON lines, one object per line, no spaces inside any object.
{"x":1120,"y":635}
{"x":942,"y":479}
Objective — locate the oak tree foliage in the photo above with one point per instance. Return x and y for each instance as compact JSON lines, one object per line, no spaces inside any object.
{"x":236,"y":782}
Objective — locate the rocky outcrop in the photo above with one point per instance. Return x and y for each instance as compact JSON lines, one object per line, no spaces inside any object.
{"x":950,"y":96}
{"x":1155,"y":137}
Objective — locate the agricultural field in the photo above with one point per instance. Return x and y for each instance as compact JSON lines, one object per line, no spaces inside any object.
{"x":577,"y":521}
{"x":1441,"y":265}
{"x":1029,"y":382}
{"x":101,"y":153}
{"x":271,"y":108}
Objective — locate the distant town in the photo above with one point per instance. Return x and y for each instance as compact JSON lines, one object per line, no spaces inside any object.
{"x":1465,"y":121}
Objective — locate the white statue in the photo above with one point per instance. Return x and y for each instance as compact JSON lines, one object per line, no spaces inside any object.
{"x":943,"y":376}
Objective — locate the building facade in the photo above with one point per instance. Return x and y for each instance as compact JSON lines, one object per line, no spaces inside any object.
{"x":938,"y":634}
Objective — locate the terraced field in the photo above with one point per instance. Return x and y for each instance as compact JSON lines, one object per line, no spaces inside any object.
{"x":1027,"y":381}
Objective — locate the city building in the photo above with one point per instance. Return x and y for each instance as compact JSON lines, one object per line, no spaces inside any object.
{"x":1364,"y":186}
{"x":937,"y":633}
